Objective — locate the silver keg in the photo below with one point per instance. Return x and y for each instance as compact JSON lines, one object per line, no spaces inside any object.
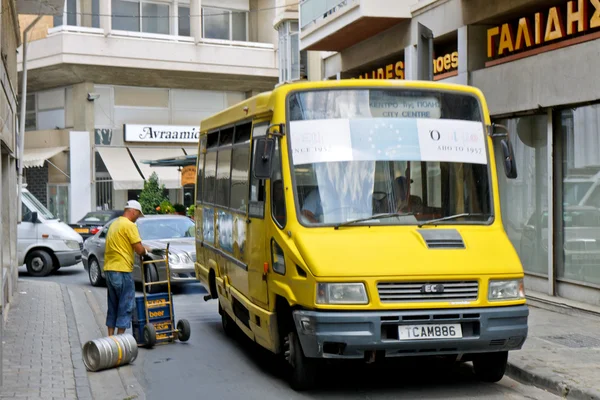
{"x":109,"y":352}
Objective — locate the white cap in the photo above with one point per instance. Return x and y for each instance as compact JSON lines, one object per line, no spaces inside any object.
{"x":133,"y":204}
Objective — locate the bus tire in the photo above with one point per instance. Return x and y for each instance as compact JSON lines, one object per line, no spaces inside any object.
{"x":490,"y":367}
{"x":303,"y":374}
{"x":227,"y":322}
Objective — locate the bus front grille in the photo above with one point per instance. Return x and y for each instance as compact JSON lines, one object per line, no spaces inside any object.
{"x":434,"y":291}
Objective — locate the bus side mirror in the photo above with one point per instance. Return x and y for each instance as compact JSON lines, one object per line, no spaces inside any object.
{"x":510,"y":166}
{"x":34,"y":217}
{"x":263,"y":158}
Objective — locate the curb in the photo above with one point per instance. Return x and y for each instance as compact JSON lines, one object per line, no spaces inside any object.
{"x":82,"y":383}
{"x":547,"y":383}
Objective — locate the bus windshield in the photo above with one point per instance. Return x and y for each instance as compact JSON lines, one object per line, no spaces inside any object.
{"x":388,"y":156}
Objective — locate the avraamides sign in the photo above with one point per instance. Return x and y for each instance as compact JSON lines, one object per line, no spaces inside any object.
{"x":161,"y":133}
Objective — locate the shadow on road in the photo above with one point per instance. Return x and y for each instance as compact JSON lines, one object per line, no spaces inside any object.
{"x":338,"y":379}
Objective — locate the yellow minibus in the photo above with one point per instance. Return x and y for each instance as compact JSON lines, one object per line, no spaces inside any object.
{"x":360,"y":219}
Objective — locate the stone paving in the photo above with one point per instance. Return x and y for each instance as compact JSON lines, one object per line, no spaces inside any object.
{"x":38,"y":362}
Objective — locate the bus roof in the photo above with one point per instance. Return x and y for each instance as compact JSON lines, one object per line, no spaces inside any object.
{"x":263,"y":103}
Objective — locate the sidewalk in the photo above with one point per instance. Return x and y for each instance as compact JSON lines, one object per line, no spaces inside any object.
{"x":42,"y":345}
{"x":562,"y":352}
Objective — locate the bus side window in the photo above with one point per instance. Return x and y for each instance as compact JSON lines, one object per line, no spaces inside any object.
{"x":257,"y":186}
{"x":278,"y":210}
{"x":200,"y":176}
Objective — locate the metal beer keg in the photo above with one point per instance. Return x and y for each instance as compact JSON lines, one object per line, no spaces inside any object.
{"x":109,"y":352}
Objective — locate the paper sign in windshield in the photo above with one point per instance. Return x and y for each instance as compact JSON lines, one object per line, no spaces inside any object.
{"x":384,"y":105}
{"x":384,"y":139}
{"x":452,"y":141}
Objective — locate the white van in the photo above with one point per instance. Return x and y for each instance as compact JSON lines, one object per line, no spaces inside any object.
{"x":44,"y":243}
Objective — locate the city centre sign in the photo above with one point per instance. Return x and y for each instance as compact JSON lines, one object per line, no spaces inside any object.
{"x":161,"y":133}
{"x":573,"y":22}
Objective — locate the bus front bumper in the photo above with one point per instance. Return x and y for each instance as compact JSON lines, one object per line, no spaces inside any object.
{"x":352,"y":335}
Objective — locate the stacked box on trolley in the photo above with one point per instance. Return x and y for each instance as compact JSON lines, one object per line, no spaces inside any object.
{"x":161,"y":316}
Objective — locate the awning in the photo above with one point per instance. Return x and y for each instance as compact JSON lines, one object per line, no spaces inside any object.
{"x":38,"y":156}
{"x":121,"y":168}
{"x":191,"y":150}
{"x":182,"y":161}
{"x":166,"y":176}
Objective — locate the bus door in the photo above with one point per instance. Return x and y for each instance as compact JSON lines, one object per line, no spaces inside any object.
{"x":256,"y":228}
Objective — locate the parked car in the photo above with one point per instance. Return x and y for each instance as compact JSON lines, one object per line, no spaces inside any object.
{"x":93,"y":222}
{"x":156,"y":231}
{"x":44,"y":243}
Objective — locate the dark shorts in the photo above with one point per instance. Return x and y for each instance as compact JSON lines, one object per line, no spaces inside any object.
{"x":121,"y":295}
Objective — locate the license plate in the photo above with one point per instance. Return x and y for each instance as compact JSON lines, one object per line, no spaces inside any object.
{"x":82,"y":230}
{"x":421,"y":332}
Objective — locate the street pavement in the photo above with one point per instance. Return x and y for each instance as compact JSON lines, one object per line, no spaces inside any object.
{"x":56,"y":315}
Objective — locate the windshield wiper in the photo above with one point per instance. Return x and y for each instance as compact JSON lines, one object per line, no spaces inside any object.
{"x":376,"y":216}
{"x":450,"y":217}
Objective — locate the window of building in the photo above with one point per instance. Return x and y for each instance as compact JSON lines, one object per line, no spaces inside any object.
{"x":184,"y":21}
{"x":30,"y":112}
{"x":292,"y":61}
{"x":140,"y":16}
{"x":524,"y":200}
{"x":69,"y":16}
{"x":45,"y":110}
{"x":576,"y":137}
{"x":220,"y":23}
{"x":95,"y":13}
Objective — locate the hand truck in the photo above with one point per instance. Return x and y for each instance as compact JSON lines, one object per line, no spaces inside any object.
{"x":154,"y":318}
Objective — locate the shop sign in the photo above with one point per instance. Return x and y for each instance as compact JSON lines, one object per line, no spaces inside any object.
{"x":553,"y":28}
{"x":393,"y":70}
{"x":445,"y":63}
{"x":188,"y":175}
{"x":161,"y":133}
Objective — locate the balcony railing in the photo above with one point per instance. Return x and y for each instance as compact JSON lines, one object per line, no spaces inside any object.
{"x":312,"y":11}
{"x":156,"y":36}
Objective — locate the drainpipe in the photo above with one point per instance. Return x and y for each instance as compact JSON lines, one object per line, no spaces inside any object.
{"x":22,"y":119}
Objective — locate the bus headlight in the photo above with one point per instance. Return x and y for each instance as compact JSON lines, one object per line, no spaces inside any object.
{"x":342,"y":293}
{"x":506,"y":290}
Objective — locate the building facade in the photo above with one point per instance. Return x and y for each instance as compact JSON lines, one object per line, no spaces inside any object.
{"x":532,"y":59}
{"x":113,"y":83}
{"x":9,"y":42}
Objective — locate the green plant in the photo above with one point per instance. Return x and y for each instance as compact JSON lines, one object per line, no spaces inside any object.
{"x":152,"y":195}
{"x":166,"y":207}
{"x":191,"y":210}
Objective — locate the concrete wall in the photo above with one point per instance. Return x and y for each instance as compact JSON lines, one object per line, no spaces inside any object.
{"x":40,"y":30}
{"x":553,"y":78}
{"x":9,"y":42}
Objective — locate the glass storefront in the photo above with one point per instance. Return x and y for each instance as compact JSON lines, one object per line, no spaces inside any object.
{"x":576,"y":188}
{"x":524,"y":201}
{"x":577,"y":132}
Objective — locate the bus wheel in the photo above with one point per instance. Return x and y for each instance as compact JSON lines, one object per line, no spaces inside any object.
{"x":303,"y":372}
{"x":227,"y":322}
{"x":490,"y":367}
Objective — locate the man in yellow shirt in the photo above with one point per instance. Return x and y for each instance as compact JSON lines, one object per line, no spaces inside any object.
{"x":122,"y":240}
